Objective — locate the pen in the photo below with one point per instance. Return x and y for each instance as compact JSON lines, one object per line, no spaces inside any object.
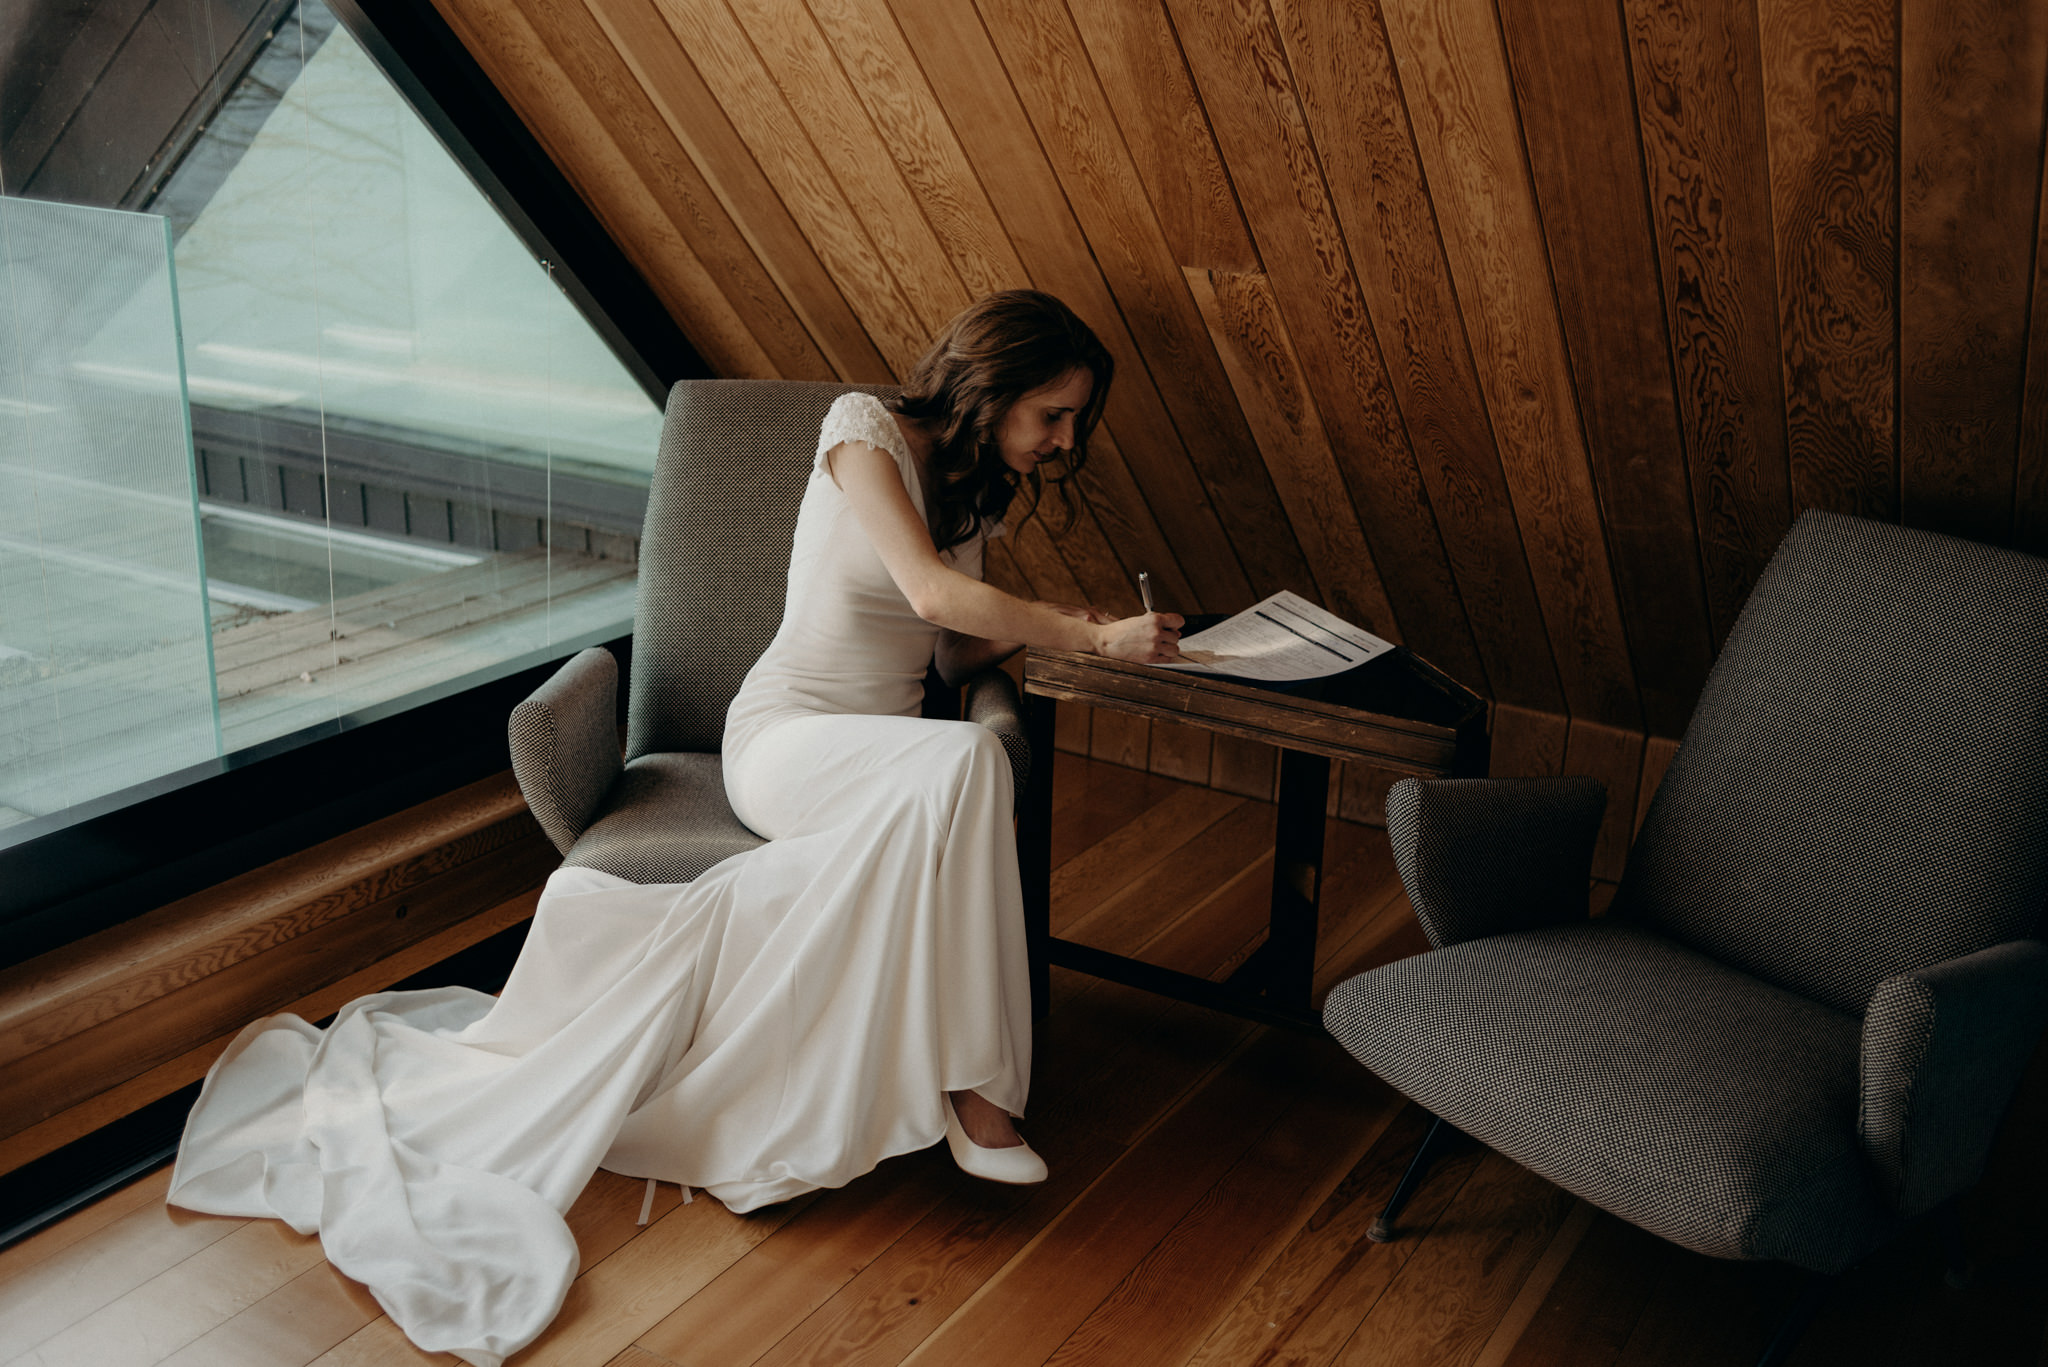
{"x":1145,"y":589}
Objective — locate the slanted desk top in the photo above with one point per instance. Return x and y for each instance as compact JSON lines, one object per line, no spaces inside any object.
{"x":1395,"y":712}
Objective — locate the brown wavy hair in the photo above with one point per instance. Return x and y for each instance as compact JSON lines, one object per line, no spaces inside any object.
{"x":1000,"y":348}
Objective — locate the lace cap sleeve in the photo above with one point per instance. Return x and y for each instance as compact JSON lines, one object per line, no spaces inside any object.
{"x":862,"y":418}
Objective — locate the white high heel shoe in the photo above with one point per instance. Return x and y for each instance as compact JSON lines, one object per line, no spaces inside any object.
{"x":1017,"y":1164}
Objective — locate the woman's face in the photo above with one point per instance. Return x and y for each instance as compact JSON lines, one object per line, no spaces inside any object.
{"x":1040,"y":426}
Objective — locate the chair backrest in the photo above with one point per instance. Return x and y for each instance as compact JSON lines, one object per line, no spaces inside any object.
{"x":1863,"y":789}
{"x":714,"y":553}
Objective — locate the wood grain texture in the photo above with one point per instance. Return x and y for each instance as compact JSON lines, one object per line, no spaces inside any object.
{"x":1133,"y":851}
{"x":1071,"y":728}
{"x":1831,"y":105}
{"x":1323,"y":1285}
{"x":885,"y":77}
{"x":1536,"y":1289}
{"x":1492,"y":1236}
{"x":1138,"y":61}
{"x":180,"y":1304}
{"x":1658,"y":753}
{"x":804,"y":68}
{"x":65,"y":1289}
{"x":1244,"y":766}
{"x":105,"y":1106}
{"x":1587,"y":299}
{"x":1699,"y":98}
{"x":1157,"y":1314}
{"x":507,"y":50}
{"x":92,"y":980}
{"x":1211,"y":1186}
{"x":1454,"y":76}
{"x":1596,"y":1300}
{"x":1119,"y":738}
{"x":1029,"y":1308}
{"x":1244,"y":321}
{"x":1241,"y":71}
{"x":1614,"y":757}
{"x":2030,"y":485}
{"x":1198,"y":862}
{"x":87,"y":1062}
{"x":156,"y":966}
{"x":807,"y":260}
{"x":591,"y":84}
{"x":1344,"y":74}
{"x":1571,"y":71}
{"x":740,"y":1315}
{"x":89,"y":1220}
{"x":1180,"y":752}
{"x":987,"y":116}
{"x":1970,"y":123}
{"x":1527,"y":744}
{"x":1044,"y":58}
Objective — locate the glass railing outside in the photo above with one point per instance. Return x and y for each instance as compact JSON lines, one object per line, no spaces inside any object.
{"x":309,"y":438}
{"x":105,"y":668}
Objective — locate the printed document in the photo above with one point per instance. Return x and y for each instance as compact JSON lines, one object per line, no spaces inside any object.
{"x":1282,"y":639}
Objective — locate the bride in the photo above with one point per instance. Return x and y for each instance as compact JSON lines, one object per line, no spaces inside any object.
{"x":854,"y":989}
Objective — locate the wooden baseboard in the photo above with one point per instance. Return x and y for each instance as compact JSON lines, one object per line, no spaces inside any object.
{"x":101,"y":1027}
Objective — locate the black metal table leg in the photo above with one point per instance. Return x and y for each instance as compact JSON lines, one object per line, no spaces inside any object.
{"x":1297,"y":879}
{"x":1034,"y":849}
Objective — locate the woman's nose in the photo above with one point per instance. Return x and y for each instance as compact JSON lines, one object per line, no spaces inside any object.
{"x":1063,"y":434}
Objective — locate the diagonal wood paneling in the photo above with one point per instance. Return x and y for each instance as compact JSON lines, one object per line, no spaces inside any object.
{"x":1571,"y":70}
{"x":1048,"y":64}
{"x":1454,"y":75}
{"x":1343,"y":69}
{"x":1518,"y":329}
{"x":1970,"y":125}
{"x":1235,"y":52}
{"x":1699,"y":99}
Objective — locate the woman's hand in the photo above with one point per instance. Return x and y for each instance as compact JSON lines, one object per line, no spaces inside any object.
{"x":1148,"y":638}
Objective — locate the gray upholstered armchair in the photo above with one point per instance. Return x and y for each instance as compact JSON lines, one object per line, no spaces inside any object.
{"x":1804,"y":1015}
{"x":714,"y":561}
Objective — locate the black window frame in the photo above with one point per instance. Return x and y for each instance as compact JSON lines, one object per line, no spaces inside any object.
{"x":185,"y":832}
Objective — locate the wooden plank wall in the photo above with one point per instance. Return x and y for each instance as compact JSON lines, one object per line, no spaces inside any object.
{"x":1518,"y":330}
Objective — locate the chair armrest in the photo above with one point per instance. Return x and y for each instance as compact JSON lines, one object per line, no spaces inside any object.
{"x":992,"y":701}
{"x":1483,"y":856}
{"x":565,"y":744}
{"x":1943,"y":1050}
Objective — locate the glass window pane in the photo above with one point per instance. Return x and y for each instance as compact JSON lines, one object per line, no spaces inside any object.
{"x":105,"y":678}
{"x":416,"y":466}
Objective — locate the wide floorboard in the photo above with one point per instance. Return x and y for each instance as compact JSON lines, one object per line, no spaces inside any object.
{"x":1211,"y":1186}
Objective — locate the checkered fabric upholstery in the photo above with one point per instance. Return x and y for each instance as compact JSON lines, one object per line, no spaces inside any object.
{"x":992,"y":701}
{"x":1483,"y":856}
{"x":1822,"y":975}
{"x":714,"y":558}
{"x":714,"y":554}
{"x":1860,"y":790}
{"x":1697,"y":1101}
{"x":666,"y":822}
{"x":565,"y":744}
{"x":1934,"y":1041}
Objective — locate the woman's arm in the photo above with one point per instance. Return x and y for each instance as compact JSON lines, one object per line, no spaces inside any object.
{"x":960,"y":657}
{"x":966,"y":606}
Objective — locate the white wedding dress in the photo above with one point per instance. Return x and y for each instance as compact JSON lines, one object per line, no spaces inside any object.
{"x":783,"y":1023}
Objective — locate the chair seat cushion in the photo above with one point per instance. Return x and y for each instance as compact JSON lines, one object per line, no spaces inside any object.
{"x":665,"y":821}
{"x":1690,"y":1098}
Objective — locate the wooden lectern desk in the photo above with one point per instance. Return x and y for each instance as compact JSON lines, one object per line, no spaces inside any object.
{"x":1395,"y":712}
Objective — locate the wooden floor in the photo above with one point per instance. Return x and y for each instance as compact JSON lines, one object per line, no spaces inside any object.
{"x":1211,"y":1187}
